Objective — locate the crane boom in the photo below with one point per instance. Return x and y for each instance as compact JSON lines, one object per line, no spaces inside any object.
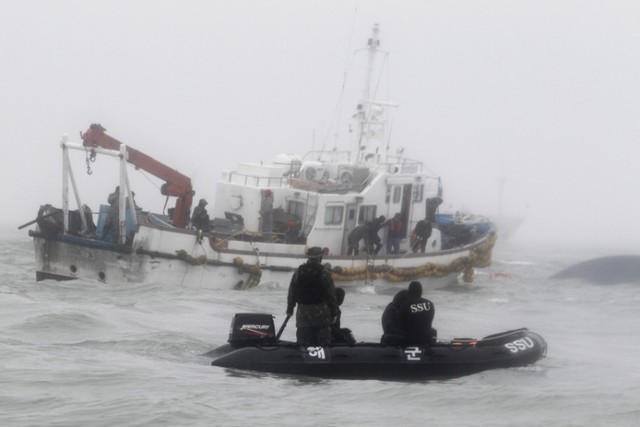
{"x":176,"y":184}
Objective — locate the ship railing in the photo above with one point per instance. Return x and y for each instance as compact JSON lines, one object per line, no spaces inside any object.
{"x":328,"y":156}
{"x":396,"y":164}
{"x":255,"y":180}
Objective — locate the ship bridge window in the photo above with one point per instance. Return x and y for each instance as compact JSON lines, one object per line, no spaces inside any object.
{"x":295,"y":208}
{"x":333,"y":215}
{"x":366,"y":213}
{"x":397,"y":194}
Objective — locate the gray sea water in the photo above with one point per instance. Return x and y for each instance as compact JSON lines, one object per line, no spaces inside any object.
{"x":87,"y":354}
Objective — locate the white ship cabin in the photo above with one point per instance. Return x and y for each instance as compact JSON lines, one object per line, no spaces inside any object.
{"x":319,"y":199}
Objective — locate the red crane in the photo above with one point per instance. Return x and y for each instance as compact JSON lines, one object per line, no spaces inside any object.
{"x":176,"y":184}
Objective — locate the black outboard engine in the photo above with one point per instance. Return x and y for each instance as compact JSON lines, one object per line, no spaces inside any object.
{"x":251,"y":329}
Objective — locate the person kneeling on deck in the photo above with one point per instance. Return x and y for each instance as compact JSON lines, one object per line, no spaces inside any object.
{"x":340,"y":335}
{"x":313,"y":290}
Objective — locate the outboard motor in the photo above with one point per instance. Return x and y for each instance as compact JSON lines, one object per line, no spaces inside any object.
{"x":251,"y":329}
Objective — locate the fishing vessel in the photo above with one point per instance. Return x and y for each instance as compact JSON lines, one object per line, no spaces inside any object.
{"x":264,"y":217}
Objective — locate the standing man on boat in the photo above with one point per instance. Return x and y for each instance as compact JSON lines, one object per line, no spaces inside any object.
{"x":421,"y":234}
{"x":312,"y":289}
{"x":266,"y":214}
{"x":394,"y":234}
{"x":200,"y":218}
{"x":374,"y":239}
{"x":112,"y":221}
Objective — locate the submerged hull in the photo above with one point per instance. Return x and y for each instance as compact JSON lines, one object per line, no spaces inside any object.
{"x":164,"y":255}
{"x":374,"y":361}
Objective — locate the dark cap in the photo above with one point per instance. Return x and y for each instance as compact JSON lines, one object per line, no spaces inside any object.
{"x":202,"y":202}
{"x":315,"y":252}
{"x":415,"y":289}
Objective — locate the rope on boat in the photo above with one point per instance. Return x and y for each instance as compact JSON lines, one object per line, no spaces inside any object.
{"x":479,"y":257}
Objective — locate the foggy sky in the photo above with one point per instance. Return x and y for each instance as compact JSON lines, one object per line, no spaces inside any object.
{"x":544,"y":94}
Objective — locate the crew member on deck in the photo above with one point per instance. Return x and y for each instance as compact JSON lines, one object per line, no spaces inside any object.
{"x":112,"y":221}
{"x":313,"y":290}
{"x":394,"y":234}
{"x":421,"y":235}
{"x":200,"y":217}
{"x":374,"y":240}
{"x":355,"y":236}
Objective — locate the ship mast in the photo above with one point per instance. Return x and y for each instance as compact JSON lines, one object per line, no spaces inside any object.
{"x":369,"y":112}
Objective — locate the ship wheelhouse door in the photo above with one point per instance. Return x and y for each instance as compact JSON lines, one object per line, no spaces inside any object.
{"x":351,"y":220}
{"x":399,"y":201}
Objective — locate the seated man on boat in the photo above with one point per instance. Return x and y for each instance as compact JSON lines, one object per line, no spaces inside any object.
{"x":340,"y":335}
{"x":393,"y":324}
{"x":408,"y":318}
{"x":312,"y":289}
{"x":418,"y":312}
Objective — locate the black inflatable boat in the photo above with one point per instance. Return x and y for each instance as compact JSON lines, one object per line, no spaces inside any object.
{"x":253,"y":346}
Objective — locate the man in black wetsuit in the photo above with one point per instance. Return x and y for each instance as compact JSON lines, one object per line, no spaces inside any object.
{"x":355,"y":236}
{"x":313,"y":290}
{"x":374,"y":243}
{"x":418,"y":313}
{"x":340,"y":335}
{"x":422,"y":232}
{"x":393,"y":323}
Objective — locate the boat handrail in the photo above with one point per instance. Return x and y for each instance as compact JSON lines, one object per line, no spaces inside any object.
{"x":255,"y":180}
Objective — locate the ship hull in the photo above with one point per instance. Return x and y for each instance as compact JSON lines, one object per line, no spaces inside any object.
{"x":162,"y":255}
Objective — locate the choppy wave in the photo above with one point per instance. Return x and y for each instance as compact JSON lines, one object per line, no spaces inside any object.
{"x":80,"y":353}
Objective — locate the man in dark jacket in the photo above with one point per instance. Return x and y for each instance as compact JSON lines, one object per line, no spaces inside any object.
{"x":375,"y":243}
{"x":355,"y":236}
{"x":422,"y":233}
{"x":112,"y":221}
{"x":200,"y":217}
{"x":418,"y":315}
{"x":313,"y":290}
{"x":393,"y":323}
{"x":340,"y":335}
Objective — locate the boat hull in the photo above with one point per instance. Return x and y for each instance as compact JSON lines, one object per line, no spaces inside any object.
{"x":168,"y":256}
{"x":442,"y":360}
